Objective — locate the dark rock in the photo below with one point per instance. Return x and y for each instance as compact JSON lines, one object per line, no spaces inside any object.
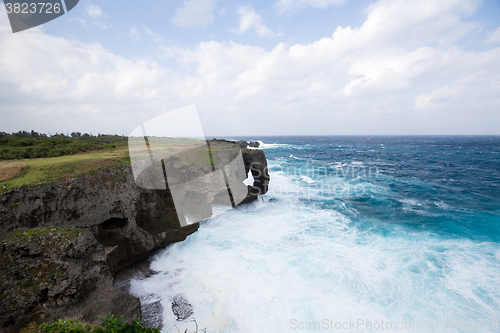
{"x":152,"y":315}
{"x":67,"y":278}
{"x":117,"y":224}
{"x":242,"y":144}
{"x":129,"y":221}
{"x":255,"y":162}
{"x":254,"y":144}
{"x":181,"y":308}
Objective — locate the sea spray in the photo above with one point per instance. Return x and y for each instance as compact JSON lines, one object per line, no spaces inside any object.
{"x":396,"y":250}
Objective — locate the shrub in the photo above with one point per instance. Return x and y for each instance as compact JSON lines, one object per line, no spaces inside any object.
{"x":34,"y":145}
{"x":112,"y":325}
{"x":62,"y":326}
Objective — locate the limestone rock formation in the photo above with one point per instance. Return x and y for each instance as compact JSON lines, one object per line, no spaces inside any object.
{"x":53,"y":273}
{"x":64,"y":242}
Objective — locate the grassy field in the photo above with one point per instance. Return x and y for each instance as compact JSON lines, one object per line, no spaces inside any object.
{"x":38,"y":171}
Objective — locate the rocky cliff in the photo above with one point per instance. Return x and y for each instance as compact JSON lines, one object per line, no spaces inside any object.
{"x":62,"y":243}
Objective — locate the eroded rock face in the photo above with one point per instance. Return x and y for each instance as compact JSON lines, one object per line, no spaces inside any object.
{"x":52,"y":273}
{"x":127,"y":220}
{"x":120,"y":223}
{"x":255,"y":162}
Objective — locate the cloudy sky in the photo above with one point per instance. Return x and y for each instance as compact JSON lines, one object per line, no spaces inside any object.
{"x":280,"y":67}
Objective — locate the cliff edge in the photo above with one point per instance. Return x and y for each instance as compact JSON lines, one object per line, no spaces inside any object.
{"x":63,"y":243}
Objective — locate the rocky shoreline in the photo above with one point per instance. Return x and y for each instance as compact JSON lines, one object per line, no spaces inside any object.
{"x":63,"y":243}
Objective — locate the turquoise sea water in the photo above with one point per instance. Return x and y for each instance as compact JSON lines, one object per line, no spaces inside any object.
{"x":364,"y":230}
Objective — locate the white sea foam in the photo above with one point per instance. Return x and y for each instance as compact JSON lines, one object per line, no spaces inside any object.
{"x":308,"y":179}
{"x":263,"y":145}
{"x":443,"y":205}
{"x":260,"y":266}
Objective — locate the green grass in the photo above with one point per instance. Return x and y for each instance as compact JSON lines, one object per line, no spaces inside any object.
{"x":58,"y":234}
{"x":63,"y":326}
{"x":111,"y":325}
{"x":58,"y":169}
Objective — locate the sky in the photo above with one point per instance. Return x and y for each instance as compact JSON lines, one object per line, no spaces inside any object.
{"x":275,"y":67}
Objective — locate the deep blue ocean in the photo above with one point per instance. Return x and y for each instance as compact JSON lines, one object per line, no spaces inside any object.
{"x":399,"y":230}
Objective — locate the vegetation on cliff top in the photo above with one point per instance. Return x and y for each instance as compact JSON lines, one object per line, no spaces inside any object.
{"x":23,"y":144}
{"x":49,"y":159}
{"x":81,"y":154}
{"x":57,"y":169}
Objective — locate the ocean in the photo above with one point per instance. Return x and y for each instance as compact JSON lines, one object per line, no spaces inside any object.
{"x":356,"y":233}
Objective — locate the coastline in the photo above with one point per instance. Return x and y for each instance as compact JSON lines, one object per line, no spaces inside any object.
{"x":113,"y":224}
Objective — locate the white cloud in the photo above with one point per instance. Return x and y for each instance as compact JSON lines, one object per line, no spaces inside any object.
{"x":401,"y":72}
{"x":250,"y":19}
{"x":285,"y":6}
{"x":95,"y":13}
{"x":134,"y":33}
{"x":194,"y":13}
{"x":156,"y":37}
{"x":439,"y":97}
{"x":101,"y":25}
{"x":93,"y":10}
{"x":494,"y":37}
{"x":78,"y":19}
{"x":85,"y":87}
{"x":416,"y":22}
{"x":363,"y":80}
{"x":475,"y":88}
